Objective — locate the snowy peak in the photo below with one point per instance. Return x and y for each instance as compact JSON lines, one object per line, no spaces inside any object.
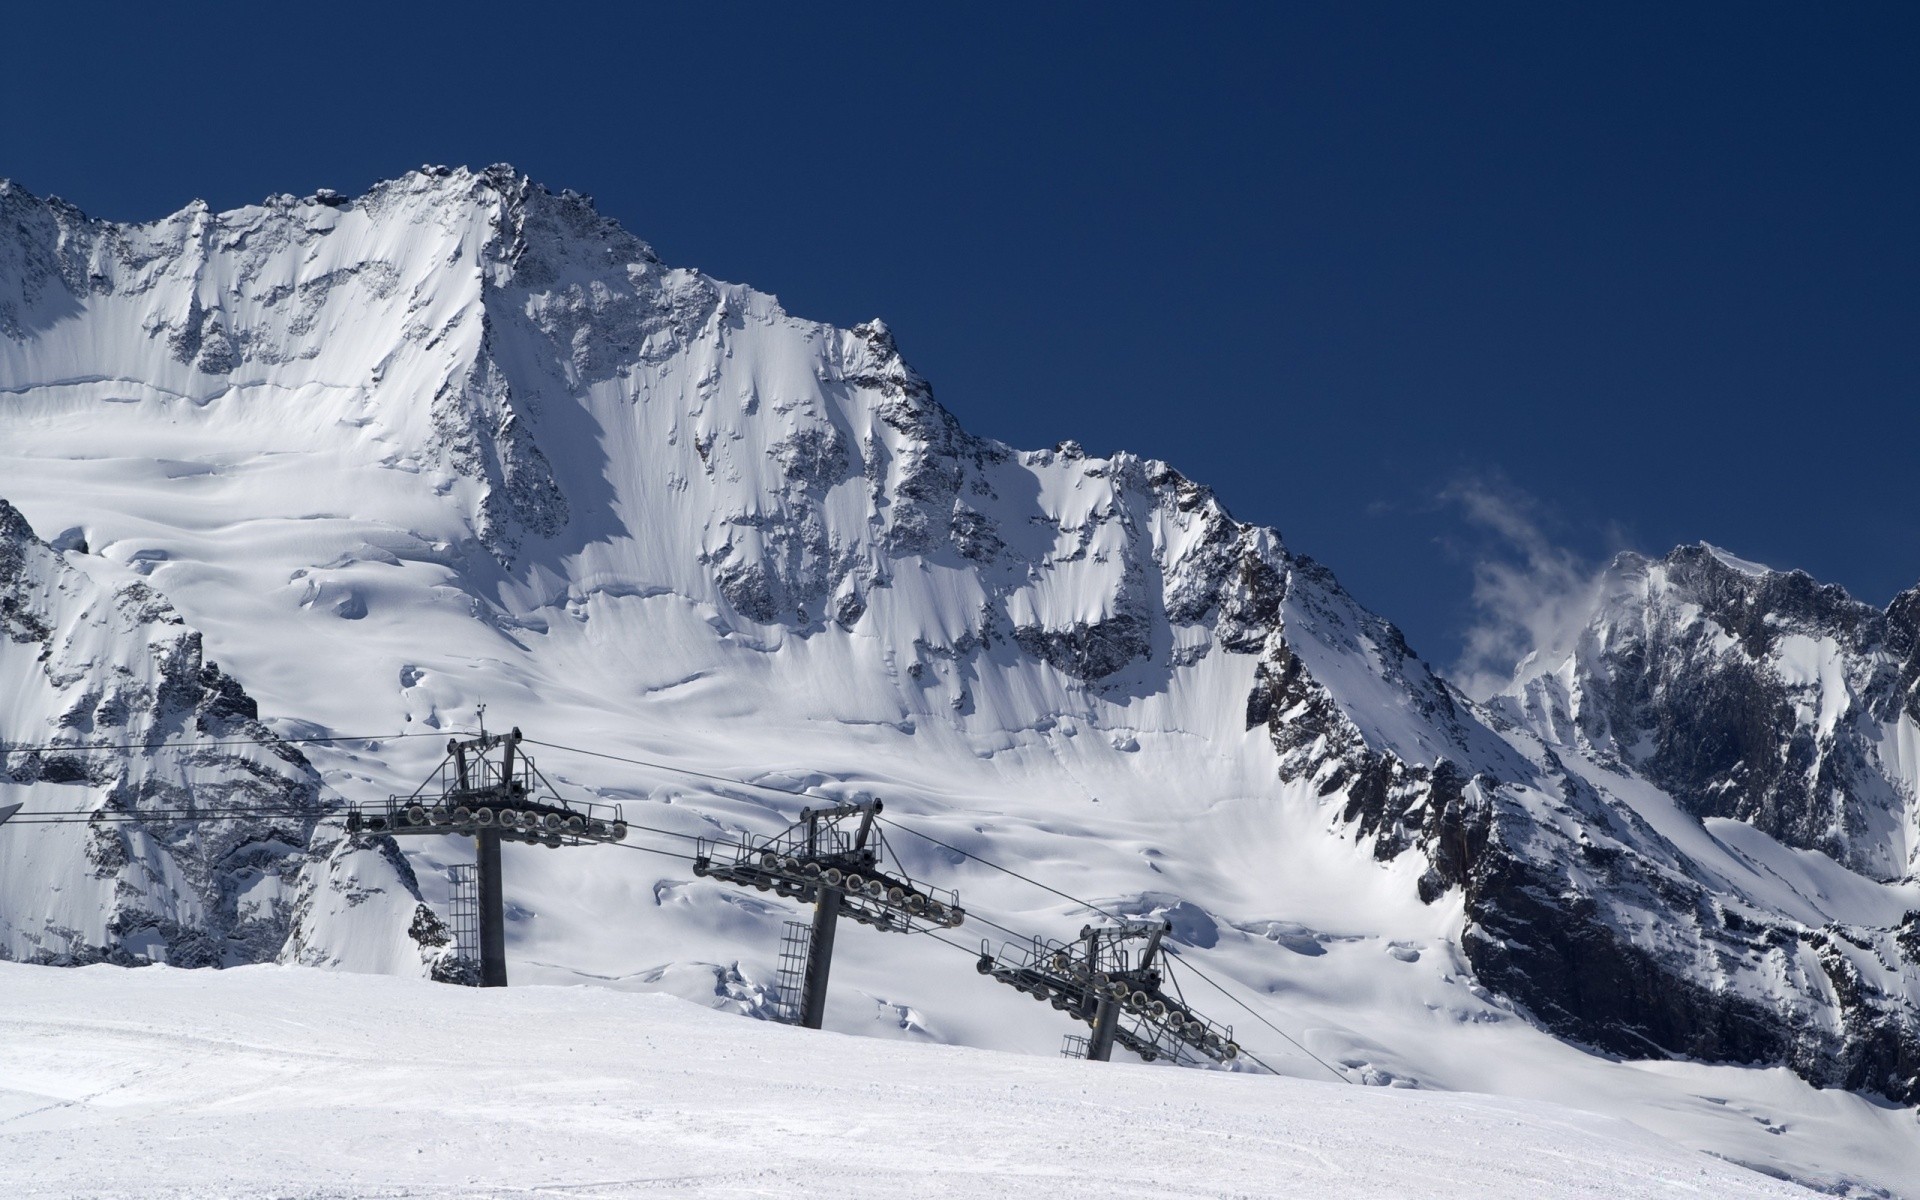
{"x":1749,"y":693}
{"x":364,"y":322}
{"x":537,"y":370}
{"x":1757,"y":604}
{"x":1733,"y":561}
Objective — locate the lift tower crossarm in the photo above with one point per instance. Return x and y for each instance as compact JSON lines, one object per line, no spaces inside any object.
{"x":820,"y":861}
{"x":470,"y":794}
{"x":1117,"y":992}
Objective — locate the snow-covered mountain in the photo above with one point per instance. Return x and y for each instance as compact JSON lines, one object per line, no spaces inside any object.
{"x":1745,"y":693}
{"x":1770,"y":912}
{"x":461,"y":440}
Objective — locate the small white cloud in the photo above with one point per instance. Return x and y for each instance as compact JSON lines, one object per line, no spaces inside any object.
{"x":1531,"y":594}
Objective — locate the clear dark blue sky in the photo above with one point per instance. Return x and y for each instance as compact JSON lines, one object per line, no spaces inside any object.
{"x":1654,"y":267}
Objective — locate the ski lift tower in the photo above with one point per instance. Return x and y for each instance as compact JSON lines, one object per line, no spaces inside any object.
{"x":833,"y":859}
{"x":485,"y":788}
{"x":1119,"y":992}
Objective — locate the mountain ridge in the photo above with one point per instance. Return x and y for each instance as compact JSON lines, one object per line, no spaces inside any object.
{"x":463,"y":439}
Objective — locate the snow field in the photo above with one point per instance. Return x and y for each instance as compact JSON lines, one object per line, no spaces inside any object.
{"x":301,"y":1084}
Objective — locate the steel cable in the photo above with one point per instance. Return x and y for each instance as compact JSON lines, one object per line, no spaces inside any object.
{"x":1182,"y":959}
{"x":184,"y":745}
{"x":989,"y":863}
{"x":660,"y":766}
{"x":688,"y":771}
{"x":182,"y":815}
{"x":985,"y":862}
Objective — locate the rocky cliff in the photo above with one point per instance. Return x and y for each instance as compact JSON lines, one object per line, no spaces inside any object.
{"x":161,"y":822}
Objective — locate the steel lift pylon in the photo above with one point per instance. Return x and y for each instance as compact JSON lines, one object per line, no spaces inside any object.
{"x":1119,"y":992}
{"x":833,"y":859}
{"x":493,"y":799}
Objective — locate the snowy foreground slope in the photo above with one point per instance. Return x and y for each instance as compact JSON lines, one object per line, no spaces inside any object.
{"x":264,"y":1081}
{"x":462,"y":441}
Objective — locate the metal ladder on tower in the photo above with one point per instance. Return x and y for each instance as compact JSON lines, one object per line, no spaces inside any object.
{"x":791,"y":982}
{"x":463,"y":918}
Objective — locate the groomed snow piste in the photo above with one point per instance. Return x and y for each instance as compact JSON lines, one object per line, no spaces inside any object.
{"x":296,"y":1083}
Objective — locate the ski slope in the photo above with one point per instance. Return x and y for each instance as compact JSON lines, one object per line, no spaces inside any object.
{"x":295,"y":1083}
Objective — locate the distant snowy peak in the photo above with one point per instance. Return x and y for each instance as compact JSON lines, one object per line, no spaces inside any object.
{"x":1745,"y":692}
{"x":370,"y":315}
{"x":1746,"y":567}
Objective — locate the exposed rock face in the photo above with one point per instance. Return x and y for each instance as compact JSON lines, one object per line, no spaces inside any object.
{"x":1752,"y":698}
{"x":89,"y":661}
{"x":1596,"y":839}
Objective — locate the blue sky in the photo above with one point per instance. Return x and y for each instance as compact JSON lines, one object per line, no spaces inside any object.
{"x":1632,"y":274}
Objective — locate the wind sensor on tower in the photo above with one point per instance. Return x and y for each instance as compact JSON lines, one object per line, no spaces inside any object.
{"x":833,"y":858}
{"x":490,"y":790}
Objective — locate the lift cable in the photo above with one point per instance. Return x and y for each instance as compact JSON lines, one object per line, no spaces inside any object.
{"x":641,"y":762}
{"x":164,"y":816}
{"x":649,"y":850}
{"x":884,"y":820}
{"x":185,"y":745}
{"x":168,"y":816}
{"x":767,"y":787}
{"x":972,"y":915}
{"x":727,"y":779}
{"x":985,"y":862}
{"x":182,"y":816}
{"x":691,"y":837}
{"x":1337,"y":1074}
{"x":1014,"y":933}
